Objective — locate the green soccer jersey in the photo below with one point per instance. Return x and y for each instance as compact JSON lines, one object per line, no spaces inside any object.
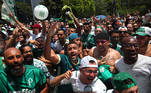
{"x":65,"y":64}
{"x":1,"y":62}
{"x":29,"y":82}
{"x":104,"y":73}
{"x":88,"y":41}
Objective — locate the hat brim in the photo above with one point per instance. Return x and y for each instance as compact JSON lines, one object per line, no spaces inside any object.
{"x":141,"y":34}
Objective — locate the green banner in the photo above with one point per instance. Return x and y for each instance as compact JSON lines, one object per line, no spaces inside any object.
{"x":8,"y":7}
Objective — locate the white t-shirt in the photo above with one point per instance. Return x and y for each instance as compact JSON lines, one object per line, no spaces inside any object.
{"x":140,"y":71}
{"x":40,"y":64}
{"x":33,"y":36}
{"x":97,"y":85}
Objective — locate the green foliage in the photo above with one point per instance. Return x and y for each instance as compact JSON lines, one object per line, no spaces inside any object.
{"x":81,"y":8}
{"x":54,"y":7}
{"x":103,"y":7}
{"x":86,"y":8}
{"x":24,"y":8}
{"x":0,"y":7}
{"x":122,"y":7}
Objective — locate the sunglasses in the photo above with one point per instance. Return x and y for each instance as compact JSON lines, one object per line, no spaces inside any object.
{"x":101,"y":41}
{"x":91,"y":71}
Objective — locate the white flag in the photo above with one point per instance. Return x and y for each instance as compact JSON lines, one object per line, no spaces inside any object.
{"x":8,"y":7}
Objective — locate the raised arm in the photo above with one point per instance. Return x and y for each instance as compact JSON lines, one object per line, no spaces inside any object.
{"x":55,"y":81}
{"x":49,"y":54}
{"x":19,"y":23}
{"x":79,"y":28}
{"x":12,"y":40}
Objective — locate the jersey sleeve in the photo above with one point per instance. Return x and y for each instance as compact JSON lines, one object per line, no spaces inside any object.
{"x":42,"y":79}
{"x":3,"y":83}
{"x":40,"y":64}
{"x":65,"y":81}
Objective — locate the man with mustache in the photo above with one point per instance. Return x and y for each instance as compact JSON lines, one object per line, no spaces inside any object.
{"x":137,"y":65}
{"x":63,"y":63}
{"x":26,"y":51}
{"x":16,"y":77}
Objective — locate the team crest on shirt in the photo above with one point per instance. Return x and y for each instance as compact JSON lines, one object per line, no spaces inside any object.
{"x":30,"y":80}
{"x":101,"y":69}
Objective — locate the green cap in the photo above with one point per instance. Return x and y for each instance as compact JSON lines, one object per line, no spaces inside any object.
{"x":123,"y":81}
{"x":141,"y":32}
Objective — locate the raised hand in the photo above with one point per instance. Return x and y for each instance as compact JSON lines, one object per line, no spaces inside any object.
{"x":68,"y":74}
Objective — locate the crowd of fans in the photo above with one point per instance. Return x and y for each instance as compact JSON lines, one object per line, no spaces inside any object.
{"x":110,"y":55}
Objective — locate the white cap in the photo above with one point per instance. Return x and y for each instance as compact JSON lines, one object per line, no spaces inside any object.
{"x":122,"y":28}
{"x":5,"y":33}
{"x":3,"y":28}
{"x":85,"y":62}
{"x":148,"y":30}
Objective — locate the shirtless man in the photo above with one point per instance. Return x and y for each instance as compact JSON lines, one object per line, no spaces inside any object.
{"x":102,"y":52}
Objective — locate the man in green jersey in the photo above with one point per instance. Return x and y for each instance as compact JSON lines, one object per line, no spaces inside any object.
{"x":63,"y":63}
{"x":2,"y":47}
{"x":16,"y":77}
{"x":88,"y":40}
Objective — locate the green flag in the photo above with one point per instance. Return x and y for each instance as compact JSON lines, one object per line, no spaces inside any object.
{"x":8,"y":7}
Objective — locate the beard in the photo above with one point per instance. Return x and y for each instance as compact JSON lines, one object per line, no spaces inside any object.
{"x":28,"y":60}
{"x":131,"y":58}
{"x":17,"y":72}
{"x":15,"y":69}
{"x":1,"y":51}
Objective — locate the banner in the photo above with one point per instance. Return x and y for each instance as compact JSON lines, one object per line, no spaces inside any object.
{"x":8,"y":7}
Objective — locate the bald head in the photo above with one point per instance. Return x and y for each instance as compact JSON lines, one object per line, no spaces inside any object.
{"x":14,"y":61}
{"x":11,"y":50}
{"x":128,"y":39}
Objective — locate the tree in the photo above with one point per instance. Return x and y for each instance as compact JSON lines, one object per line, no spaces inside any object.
{"x":102,"y":6}
{"x":23,"y":11}
{"x":121,"y":7}
{"x":87,"y":8}
{"x":81,"y":8}
{"x":54,"y":7}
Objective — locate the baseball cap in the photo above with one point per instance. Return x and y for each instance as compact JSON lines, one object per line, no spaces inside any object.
{"x":73,"y":36}
{"x":143,"y":31}
{"x":122,"y":81}
{"x":99,"y":28}
{"x":37,"y":26}
{"x":85,"y":62}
